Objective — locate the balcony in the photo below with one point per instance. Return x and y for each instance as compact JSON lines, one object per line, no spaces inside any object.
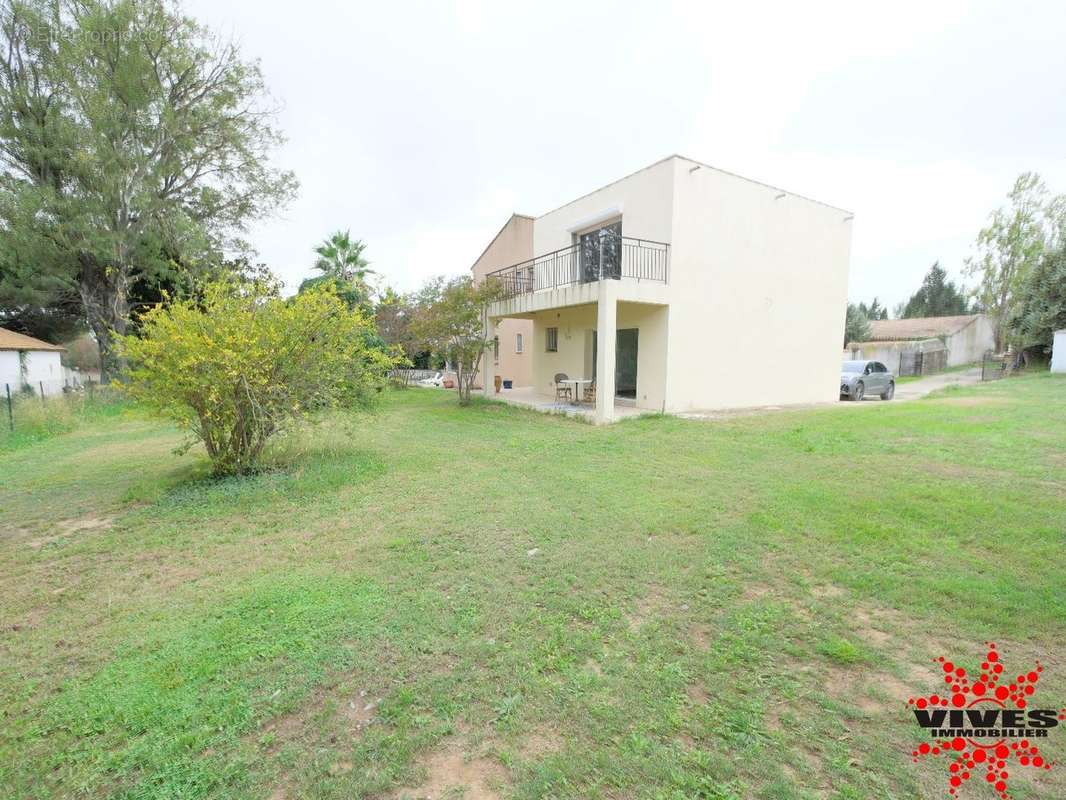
{"x":606,"y":258}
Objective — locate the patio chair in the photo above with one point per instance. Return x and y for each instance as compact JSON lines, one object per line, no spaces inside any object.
{"x":562,"y":392}
{"x":590,"y":392}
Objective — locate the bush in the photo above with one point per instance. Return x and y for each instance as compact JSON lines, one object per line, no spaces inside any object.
{"x":240,"y":364}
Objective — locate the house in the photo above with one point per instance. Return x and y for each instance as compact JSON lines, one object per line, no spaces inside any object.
{"x":512,"y":360}
{"x":680,"y":287}
{"x":28,"y":362}
{"x":967,"y":338}
{"x":906,"y":357}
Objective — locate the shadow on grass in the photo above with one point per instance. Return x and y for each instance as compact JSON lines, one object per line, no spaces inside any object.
{"x":307,"y":463}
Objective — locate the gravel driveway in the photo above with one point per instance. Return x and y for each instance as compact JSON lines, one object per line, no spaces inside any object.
{"x":912,"y":390}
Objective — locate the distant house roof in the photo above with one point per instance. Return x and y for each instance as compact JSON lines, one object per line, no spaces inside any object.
{"x":9,"y":340}
{"x":894,"y":330}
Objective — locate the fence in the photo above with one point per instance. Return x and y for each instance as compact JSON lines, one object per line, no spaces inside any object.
{"x":916,"y":362}
{"x":994,"y":367}
{"x":405,"y":377}
{"x":31,"y":401}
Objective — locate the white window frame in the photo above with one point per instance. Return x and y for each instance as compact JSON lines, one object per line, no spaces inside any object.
{"x":518,"y":343}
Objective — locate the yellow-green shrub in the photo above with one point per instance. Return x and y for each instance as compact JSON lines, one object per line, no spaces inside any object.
{"x":240,"y":364}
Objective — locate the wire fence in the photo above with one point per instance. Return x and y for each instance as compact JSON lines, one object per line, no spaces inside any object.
{"x":44,"y":404}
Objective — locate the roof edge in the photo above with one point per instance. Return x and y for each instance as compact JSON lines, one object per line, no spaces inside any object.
{"x":22,"y":342}
{"x":503,"y":227}
{"x":762,"y":183}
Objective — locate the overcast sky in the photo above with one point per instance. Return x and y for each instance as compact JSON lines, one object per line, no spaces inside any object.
{"x":421,"y":127}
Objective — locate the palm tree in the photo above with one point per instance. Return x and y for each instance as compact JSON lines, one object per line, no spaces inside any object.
{"x":340,"y":260}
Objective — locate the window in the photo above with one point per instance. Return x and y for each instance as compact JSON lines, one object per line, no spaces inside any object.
{"x":600,"y":252}
{"x":496,"y":349}
{"x":551,"y":340}
{"x":518,"y":343}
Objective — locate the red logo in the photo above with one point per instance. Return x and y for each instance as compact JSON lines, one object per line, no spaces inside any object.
{"x":986,"y":726}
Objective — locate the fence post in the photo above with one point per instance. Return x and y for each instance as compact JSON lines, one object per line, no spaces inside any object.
{"x":10,"y":414}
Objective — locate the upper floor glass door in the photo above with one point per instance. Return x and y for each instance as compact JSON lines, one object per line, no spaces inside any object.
{"x":600,"y":252}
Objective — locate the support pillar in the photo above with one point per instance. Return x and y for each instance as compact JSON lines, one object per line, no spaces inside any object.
{"x":488,"y":359}
{"x":606,"y":343}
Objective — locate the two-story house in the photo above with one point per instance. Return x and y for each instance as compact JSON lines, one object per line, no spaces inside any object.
{"x":678,"y":288}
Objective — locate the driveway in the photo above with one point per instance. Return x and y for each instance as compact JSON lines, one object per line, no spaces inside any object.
{"x":911,"y":390}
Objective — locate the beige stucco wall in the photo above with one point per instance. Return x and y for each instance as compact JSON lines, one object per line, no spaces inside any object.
{"x":752,"y":270}
{"x":969,"y":345}
{"x":748,"y":264}
{"x":514,"y":243}
{"x":574,"y":356}
{"x":643,"y":200}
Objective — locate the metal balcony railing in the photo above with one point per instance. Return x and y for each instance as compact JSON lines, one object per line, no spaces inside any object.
{"x":609,"y":258}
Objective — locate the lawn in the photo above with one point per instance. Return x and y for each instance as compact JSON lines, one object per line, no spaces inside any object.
{"x":487,"y":602}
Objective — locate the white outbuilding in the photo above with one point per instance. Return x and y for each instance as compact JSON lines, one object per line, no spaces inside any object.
{"x":1058,"y":352}
{"x":28,"y":362}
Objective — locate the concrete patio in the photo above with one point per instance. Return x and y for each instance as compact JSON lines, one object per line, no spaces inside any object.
{"x":529,"y":398}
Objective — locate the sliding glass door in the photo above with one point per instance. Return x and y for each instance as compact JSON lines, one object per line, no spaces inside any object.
{"x":600,"y":252}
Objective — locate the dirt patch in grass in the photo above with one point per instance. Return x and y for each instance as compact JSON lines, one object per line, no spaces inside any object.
{"x":872,"y":691}
{"x":647,"y":606}
{"x":827,"y":590}
{"x":76,"y":526}
{"x":755,"y":591}
{"x":539,"y":742}
{"x":701,"y":636}
{"x":697,"y":694}
{"x":354,"y":712}
{"x":453,"y":773}
{"x":867,"y":630}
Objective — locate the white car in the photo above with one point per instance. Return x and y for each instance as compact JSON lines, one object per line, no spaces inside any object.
{"x":436,"y":380}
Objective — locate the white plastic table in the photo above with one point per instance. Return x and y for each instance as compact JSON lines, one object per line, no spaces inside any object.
{"x":577,"y":384}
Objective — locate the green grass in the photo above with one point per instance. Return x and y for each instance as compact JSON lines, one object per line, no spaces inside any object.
{"x":29,"y":419}
{"x":724,"y":609}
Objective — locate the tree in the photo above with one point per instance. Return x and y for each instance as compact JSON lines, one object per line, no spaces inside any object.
{"x":82,"y":354}
{"x":856,"y":325}
{"x":937,"y":297}
{"x":1041,"y":307}
{"x":341,"y":262}
{"x":874,"y":311}
{"x":133,"y":146}
{"x":450,"y":320}
{"x":240,"y":364}
{"x":393,"y":316}
{"x":1011,"y":245}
